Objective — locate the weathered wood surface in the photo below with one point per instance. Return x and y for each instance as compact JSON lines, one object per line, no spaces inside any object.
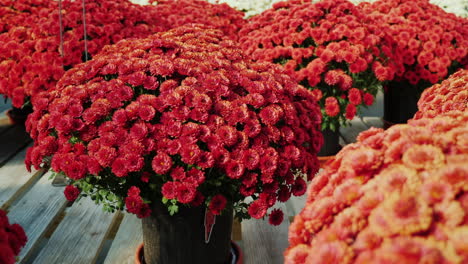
{"x":35,"y":212}
{"x":371,"y":121}
{"x":79,"y":237}
{"x":15,"y":179}
{"x":350,"y":132}
{"x":126,"y":241}
{"x":264,"y":243}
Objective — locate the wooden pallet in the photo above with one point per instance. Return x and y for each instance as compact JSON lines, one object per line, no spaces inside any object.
{"x":83,"y":233}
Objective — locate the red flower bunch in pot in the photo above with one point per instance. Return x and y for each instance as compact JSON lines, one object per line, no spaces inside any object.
{"x":450,"y":95}
{"x":395,"y":196}
{"x":12,"y":239}
{"x":180,"y":122}
{"x":428,"y":44}
{"x":181,"y":12}
{"x":327,"y":49}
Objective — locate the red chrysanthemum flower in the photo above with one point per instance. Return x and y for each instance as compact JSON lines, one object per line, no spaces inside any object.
{"x":71,"y":192}
{"x":258,"y":209}
{"x":350,"y":111}
{"x":276,"y":217}
{"x":332,"y":107}
{"x":217,"y":204}
{"x":161,"y":163}
{"x":354,"y":96}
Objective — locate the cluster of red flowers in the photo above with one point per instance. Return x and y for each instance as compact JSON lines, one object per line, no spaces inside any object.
{"x":12,"y":239}
{"x":14,"y":13}
{"x":30,"y":53}
{"x":450,"y":95}
{"x":327,"y":48}
{"x":428,"y":43}
{"x":182,"y":114}
{"x":182,"y":12}
{"x":31,"y":58}
{"x":395,"y":196}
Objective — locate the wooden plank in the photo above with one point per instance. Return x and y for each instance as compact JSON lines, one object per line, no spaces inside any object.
{"x":79,"y":237}
{"x":15,"y":179}
{"x":126,"y":241}
{"x":295,"y":204}
{"x":372,"y":121}
{"x":12,"y":141}
{"x":36,"y":211}
{"x":350,"y":132}
{"x":264,"y":243}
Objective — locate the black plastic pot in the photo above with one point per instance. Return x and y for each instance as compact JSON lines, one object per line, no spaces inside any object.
{"x":331,"y":143}
{"x":180,"y":239}
{"x":400,"y":102}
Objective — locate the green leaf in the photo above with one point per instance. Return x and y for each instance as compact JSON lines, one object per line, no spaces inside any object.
{"x":332,"y":127}
{"x":165,"y":200}
{"x":173,"y":209}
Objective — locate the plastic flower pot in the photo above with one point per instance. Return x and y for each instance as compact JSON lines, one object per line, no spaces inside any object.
{"x":18,"y":116}
{"x":237,"y":257}
{"x":400,"y":102}
{"x":181,"y":238}
{"x":331,"y":144}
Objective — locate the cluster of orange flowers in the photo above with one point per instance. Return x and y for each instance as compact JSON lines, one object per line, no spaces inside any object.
{"x":395,"y":196}
{"x":451,"y":94}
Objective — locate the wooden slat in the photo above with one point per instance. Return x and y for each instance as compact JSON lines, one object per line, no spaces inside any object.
{"x":15,"y":179}
{"x":13,"y":140}
{"x":372,"y":121}
{"x":350,"y":132}
{"x":36,"y":211}
{"x":295,"y":204}
{"x":79,"y":237}
{"x":264,"y":243}
{"x":126,"y":241}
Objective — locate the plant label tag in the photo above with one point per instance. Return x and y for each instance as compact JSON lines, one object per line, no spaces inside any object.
{"x":210,"y":220}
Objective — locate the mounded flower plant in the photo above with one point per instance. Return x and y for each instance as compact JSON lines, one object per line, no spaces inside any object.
{"x":181,"y":117}
{"x":429,"y":44}
{"x":12,"y":239}
{"x":327,"y":48}
{"x":395,"y":196}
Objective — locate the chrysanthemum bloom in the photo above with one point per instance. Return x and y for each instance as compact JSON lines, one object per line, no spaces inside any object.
{"x":181,"y":116}
{"x":12,"y":239}
{"x":428,"y":43}
{"x":326,"y":47}
{"x":450,"y":95}
{"x":394,"y":196}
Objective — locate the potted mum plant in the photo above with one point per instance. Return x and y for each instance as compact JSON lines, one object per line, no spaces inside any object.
{"x":396,"y":196}
{"x":327,"y":49}
{"x":12,"y":239}
{"x":179,"y":128}
{"x":428,"y":44}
